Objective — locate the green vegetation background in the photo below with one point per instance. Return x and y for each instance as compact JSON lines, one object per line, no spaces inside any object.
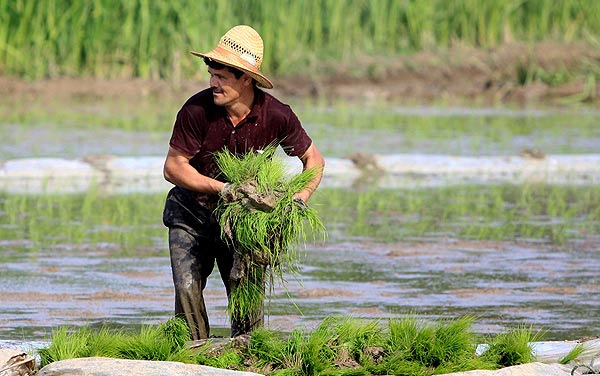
{"x":150,"y":39}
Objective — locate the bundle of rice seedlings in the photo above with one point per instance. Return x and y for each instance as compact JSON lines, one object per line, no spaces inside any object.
{"x":513,"y":347}
{"x":264,"y":225}
{"x":166,"y":341}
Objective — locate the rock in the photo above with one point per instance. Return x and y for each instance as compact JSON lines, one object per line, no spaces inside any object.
{"x":529,"y":369}
{"x":16,"y":363}
{"x":98,"y":366}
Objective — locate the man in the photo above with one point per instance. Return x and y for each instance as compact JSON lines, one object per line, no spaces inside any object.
{"x":232,"y":114}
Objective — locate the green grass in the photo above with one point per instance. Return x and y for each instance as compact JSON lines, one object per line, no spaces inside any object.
{"x":572,"y":356}
{"x":166,"y":342}
{"x":132,"y":223}
{"x":338,"y":346}
{"x":513,"y":347}
{"x":119,"y":38}
{"x":528,"y":212}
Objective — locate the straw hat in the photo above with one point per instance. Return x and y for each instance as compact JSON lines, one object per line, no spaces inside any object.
{"x":242,"y":48}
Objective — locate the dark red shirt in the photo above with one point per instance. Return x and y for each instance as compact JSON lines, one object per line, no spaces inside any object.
{"x":203,"y":128}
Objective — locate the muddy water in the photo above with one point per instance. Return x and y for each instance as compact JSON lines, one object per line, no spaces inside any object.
{"x":503,"y":284}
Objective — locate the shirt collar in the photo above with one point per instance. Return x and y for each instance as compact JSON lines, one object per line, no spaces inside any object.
{"x":259,"y":101}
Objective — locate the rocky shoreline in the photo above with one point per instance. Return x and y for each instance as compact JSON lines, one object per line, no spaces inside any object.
{"x":16,"y":360}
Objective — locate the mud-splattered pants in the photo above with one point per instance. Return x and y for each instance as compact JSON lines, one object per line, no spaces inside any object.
{"x":195,"y":244}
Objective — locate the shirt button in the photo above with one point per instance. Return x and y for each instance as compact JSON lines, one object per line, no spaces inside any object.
{"x":232,"y":132}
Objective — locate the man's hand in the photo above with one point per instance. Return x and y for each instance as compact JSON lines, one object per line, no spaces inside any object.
{"x":248,"y":196}
{"x":300,"y":203}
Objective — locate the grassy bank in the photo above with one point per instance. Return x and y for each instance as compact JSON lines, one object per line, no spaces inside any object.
{"x":120,"y":38}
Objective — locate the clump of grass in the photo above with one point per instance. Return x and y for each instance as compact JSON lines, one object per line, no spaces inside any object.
{"x":166,"y":342}
{"x":263,"y":240}
{"x":573,"y":354}
{"x":415,"y":347}
{"x":512,"y":348}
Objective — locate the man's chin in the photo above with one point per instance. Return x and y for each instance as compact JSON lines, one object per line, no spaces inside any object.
{"x":218,"y":99}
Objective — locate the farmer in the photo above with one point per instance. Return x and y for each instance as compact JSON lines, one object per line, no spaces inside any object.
{"x":234,"y":114}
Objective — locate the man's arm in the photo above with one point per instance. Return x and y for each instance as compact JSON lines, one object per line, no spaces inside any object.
{"x":177,"y":170}
{"x":312,"y":158}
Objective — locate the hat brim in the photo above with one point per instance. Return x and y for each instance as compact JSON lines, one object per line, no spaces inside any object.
{"x":234,"y":61}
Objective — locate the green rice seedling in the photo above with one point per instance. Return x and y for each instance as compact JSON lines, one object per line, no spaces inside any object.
{"x":291,"y":351}
{"x":104,"y":342}
{"x":229,"y":359}
{"x":572,"y":355}
{"x":156,"y":343}
{"x":550,"y":213}
{"x":447,"y":346}
{"x":266,"y":346}
{"x":263,"y":240}
{"x":356,"y":337}
{"x":166,"y":342}
{"x":127,"y":221}
{"x":512,"y":348}
{"x":316,"y":353}
{"x":176,"y":332}
{"x":65,"y":345}
{"x":409,"y":346}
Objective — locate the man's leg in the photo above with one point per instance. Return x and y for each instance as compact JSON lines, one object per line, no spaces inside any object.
{"x":191,"y":267}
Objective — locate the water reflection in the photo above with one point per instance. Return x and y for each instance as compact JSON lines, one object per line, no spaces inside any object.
{"x":503,"y":284}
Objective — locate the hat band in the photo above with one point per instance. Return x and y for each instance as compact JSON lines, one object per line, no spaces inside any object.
{"x":238,"y":59}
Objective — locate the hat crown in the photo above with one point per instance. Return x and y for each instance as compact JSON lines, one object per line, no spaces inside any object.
{"x":245,"y":42}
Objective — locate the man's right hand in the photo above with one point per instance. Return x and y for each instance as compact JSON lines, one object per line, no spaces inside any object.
{"x":248,"y":196}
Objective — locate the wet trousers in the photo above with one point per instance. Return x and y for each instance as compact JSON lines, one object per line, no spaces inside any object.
{"x":195,"y":246}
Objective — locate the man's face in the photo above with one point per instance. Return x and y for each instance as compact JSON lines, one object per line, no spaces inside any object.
{"x":225,"y":87}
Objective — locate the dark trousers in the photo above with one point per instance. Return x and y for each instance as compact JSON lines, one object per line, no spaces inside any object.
{"x":195,"y":245}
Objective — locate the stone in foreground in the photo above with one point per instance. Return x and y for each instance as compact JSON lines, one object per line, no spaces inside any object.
{"x":98,"y":366}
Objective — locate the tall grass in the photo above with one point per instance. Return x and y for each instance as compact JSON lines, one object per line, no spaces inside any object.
{"x":150,"y":39}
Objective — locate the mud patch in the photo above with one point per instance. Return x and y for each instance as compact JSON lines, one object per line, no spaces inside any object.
{"x":455,"y":75}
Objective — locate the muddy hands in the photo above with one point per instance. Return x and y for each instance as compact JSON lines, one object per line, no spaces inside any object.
{"x":249,"y":197}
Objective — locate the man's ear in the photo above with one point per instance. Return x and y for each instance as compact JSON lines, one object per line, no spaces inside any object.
{"x":247,"y":79}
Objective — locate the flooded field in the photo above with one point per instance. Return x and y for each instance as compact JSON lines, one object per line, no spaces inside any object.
{"x":338,"y":130}
{"x":504,"y":254}
{"x":510,"y":256}
{"x":503,"y":284}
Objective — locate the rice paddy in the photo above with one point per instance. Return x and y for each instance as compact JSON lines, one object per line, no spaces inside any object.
{"x":78,"y":132}
{"x":478,"y":263}
{"x":541,"y":213}
{"x":527,"y":246}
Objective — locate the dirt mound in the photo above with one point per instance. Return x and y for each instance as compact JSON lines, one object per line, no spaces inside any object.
{"x":516,"y":72}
